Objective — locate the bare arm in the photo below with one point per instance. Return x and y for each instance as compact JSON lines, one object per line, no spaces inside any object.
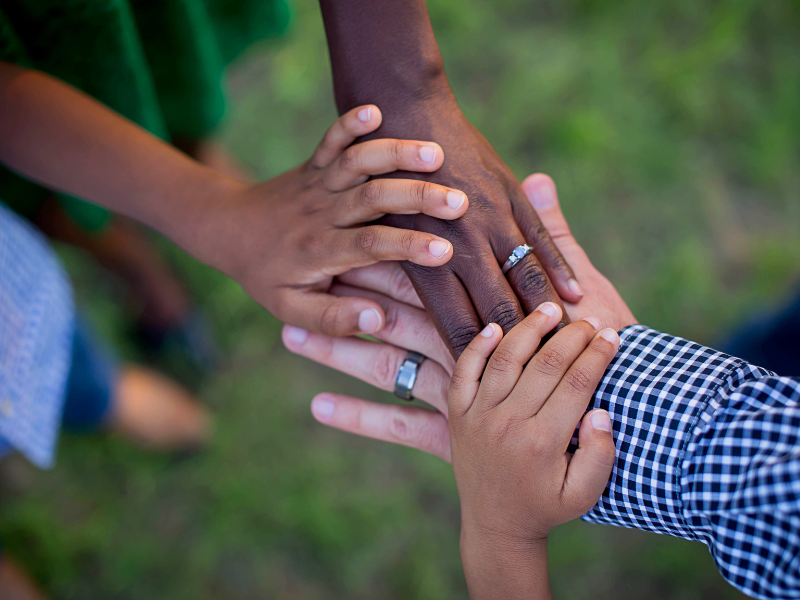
{"x":283,"y":240}
{"x":69,"y":142}
{"x":385,"y":52}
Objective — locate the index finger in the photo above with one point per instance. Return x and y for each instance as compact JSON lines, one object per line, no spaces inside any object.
{"x":351,"y":125}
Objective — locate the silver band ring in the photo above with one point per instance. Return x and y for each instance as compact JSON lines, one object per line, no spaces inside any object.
{"x":517,"y":255}
{"x":407,"y":376}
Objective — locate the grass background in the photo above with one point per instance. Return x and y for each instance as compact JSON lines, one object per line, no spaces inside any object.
{"x":672,"y":129}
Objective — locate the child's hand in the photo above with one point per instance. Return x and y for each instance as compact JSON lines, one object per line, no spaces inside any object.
{"x":285,"y":240}
{"x":510,"y":427}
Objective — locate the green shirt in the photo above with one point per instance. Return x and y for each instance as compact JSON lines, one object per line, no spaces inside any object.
{"x":156,"y":62}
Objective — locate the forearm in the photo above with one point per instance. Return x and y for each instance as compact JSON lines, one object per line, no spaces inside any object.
{"x":504,"y":569}
{"x":383,"y":53}
{"x":68,"y":142}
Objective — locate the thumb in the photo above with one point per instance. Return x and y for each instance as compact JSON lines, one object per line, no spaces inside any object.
{"x":336,"y":316}
{"x":592,"y":463}
{"x":541,"y":192}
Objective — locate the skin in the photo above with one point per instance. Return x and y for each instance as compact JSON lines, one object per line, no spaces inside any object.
{"x":409,"y":327}
{"x":514,"y":404}
{"x":385,"y":53}
{"x":283,"y":240}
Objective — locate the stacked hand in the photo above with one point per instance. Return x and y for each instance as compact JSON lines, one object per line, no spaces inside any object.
{"x":510,"y":428}
{"x":409,"y":327}
{"x":471,"y":290}
{"x":284,"y":240}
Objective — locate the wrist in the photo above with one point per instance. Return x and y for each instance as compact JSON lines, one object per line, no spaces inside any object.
{"x":498,"y":565}
{"x":193,"y":215}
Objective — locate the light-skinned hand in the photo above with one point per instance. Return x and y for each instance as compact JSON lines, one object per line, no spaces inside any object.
{"x":408,"y":327}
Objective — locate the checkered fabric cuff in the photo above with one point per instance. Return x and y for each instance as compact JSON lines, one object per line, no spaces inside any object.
{"x":708,"y":449}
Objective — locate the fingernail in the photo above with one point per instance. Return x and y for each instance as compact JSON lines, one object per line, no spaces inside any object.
{"x":322,"y":408}
{"x":364,"y":114}
{"x":369,"y":321}
{"x":601,"y":420}
{"x":609,"y":335}
{"x":455,"y":200}
{"x":548,"y":308}
{"x":438,"y":248}
{"x":427,"y":153}
{"x":295,"y":335}
{"x":594,"y":322}
{"x":488,"y":331}
{"x":575,"y":287}
{"x":543,"y":196}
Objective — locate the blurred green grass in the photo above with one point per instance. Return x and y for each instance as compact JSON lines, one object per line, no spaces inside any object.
{"x":673,"y":132}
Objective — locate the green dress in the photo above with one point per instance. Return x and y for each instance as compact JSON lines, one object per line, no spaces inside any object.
{"x":157,"y":62}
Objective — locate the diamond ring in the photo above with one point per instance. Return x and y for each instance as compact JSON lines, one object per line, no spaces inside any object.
{"x":517,"y":255}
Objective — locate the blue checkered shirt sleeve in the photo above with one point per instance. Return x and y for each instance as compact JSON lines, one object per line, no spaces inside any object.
{"x":708,"y":449}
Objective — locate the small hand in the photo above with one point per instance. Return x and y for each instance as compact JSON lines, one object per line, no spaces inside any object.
{"x":286,"y":239}
{"x":514,"y":404}
{"x":408,"y":327}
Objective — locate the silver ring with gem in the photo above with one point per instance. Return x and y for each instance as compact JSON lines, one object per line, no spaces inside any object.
{"x":517,"y":255}
{"x":407,"y":376}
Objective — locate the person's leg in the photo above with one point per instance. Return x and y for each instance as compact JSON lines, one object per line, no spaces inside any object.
{"x":138,"y":403}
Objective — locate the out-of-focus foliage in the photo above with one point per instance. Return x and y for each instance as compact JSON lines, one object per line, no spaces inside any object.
{"x":672,"y":129}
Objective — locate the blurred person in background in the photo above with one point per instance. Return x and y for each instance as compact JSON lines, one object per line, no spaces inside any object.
{"x":282,"y":240}
{"x":160,"y":64}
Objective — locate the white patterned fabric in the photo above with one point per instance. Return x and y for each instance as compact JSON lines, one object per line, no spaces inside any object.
{"x":708,"y":449}
{"x":36,"y":325}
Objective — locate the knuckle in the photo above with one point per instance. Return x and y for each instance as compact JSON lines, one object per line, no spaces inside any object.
{"x":458,"y":381}
{"x":350,"y":159}
{"x":366,"y":240}
{"x":329,"y":139}
{"x":500,"y":431}
{"x":423,"y":192}
{"x":504,"y":360}
{"x":506,"y":314}
{"x":550,"y":360}
{"x":600,"y":350}
{"x":398,"y":427}
{"x":400,"y":286}
{"x":394,"y":326}
{"x":330,"y":318}
{"x":460,"y":336}
{"x":396,"y":151}
{"x":579,"y":380}
{"x":371,"y":192}
{"x":385,"y":367}
{"x":533,"y":282}
{"x":429,"y":437}
{"x":408,"y":242}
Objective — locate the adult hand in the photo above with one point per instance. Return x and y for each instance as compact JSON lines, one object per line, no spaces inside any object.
{"x":408,"y":327}
{"x":385,"y":53}
{"x":471,"y":290}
